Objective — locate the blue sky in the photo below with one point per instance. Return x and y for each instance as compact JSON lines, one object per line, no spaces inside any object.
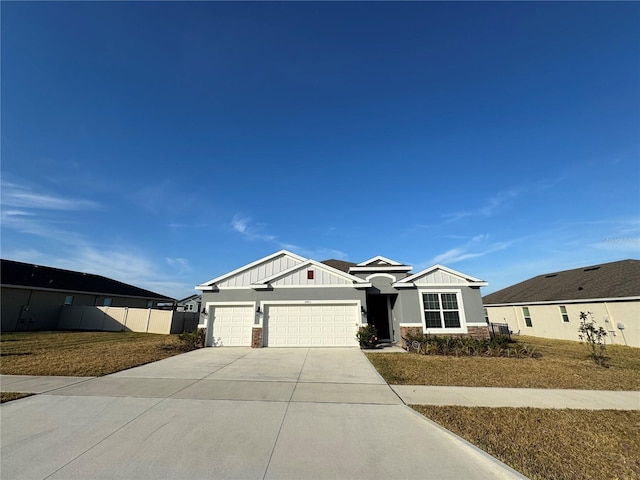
{"x":163,"y":144}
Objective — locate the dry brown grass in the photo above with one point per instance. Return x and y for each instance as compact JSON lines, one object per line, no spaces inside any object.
{"x":81,"y":353}
{"x":545,"y":443}
{"x":564,"y":364}
{"x":8,"y":396}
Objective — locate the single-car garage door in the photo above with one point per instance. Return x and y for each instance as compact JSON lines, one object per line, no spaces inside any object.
{"x":231,"y":325}
{"x":315,"y":325}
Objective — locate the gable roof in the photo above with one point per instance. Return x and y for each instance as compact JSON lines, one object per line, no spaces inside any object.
{"x":195,"y":296}
{"x":341,"y":265}
{"x":355,"y":281}
{"x":208,"y":285}
{"x":379,"y":260}
{"x":18,"y":274}
{"x":465,"y":279}
{"x":607,"y":280}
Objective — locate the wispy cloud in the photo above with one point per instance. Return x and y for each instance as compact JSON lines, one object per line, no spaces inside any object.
{"x":249,"y":229}
{"x":254,"y":231}
{"x":21,"y":196}
{"x":180,"y":264}
{"x":491,"y":206}
{"x":477,"y":246}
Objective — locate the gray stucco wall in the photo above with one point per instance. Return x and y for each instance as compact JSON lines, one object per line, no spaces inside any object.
{"x":411,"y":304}
{"x":293,"y":294}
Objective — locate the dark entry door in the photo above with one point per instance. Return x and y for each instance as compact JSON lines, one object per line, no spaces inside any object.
{"x":378,"y":315}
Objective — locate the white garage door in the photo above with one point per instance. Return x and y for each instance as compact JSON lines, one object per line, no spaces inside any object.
{"x":232,"y":325}
{"x":306,"y":325}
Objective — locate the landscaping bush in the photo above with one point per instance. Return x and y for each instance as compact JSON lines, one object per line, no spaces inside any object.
{"x":468,"y":346}
{"x":192,"y":340}
{"x":367,"y":336}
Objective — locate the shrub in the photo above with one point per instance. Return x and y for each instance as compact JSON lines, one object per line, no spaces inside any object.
{"x":367,"y":336}
{"x":468,"y":346}
{"x":192,"y":340}
{"x":593,"y":337}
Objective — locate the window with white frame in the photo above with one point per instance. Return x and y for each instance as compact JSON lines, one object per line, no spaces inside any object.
{"x":441,"y":310}
{"x":68,"y":300}
{"x":563,"y":312}
{"x":527,"y":317}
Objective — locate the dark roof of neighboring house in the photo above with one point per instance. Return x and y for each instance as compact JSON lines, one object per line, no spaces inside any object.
{"x":339,"y":264}
{"x":38,"y":276}
{"x":196,"y":296}
{"x":607,"y":280}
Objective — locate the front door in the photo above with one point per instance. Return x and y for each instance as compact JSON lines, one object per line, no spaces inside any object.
{"x":378,"y":315}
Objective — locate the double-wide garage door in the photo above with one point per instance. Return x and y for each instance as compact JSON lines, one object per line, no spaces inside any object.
{"x":287,"y":325}
{"x":311,"y":325}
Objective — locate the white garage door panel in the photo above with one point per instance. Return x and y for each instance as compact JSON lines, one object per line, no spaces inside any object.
{"x":232,"y":325}
{"x":331,"y":325}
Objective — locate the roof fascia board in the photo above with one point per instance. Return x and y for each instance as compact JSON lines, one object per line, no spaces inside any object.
{"x":382,"y":268}
{"x":560,"y":302}
{"x":251,"y":265}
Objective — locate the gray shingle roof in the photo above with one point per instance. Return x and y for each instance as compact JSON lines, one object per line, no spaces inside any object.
{"x":607,"y":280}
{"x":339,"y":264}
{"x":38,"y":276}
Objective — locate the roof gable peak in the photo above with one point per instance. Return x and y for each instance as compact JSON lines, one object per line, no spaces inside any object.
{"x":379,"y":260}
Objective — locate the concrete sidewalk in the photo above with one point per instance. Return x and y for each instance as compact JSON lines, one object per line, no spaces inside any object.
{"x":316,"y":391}
{"x":518,"y":397}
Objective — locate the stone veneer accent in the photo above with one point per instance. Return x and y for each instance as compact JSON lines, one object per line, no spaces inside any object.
{"x":475,"y":332}
{"x":256,"y":337}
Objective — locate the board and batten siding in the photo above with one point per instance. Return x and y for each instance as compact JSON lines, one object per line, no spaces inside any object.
{"x":320,"y":277}
{"x":258,"y":272}
{"x":439,"y":277}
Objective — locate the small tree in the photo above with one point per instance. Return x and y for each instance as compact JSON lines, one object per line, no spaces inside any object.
{"x":593,"y":337}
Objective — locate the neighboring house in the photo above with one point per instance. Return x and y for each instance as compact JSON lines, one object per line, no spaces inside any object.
{"x":549,"y":305}
{"x":33,"y":295}
{"x":189,"y":304}
{"x":285,"y":300}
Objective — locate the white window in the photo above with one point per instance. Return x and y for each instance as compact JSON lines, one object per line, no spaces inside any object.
{"x":107,"y":302}
{"x":527,"y":317}
{"x":441,"y":310}
{"x":564,"y":314}
{"x":68,"y":300}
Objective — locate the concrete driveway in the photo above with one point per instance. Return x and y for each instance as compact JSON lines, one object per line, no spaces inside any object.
{"x":234,"y":413}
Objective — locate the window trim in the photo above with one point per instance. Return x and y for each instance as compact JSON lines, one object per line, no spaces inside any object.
{"x":564,"y":314}
{"x":461,"y":313}
{"x":526,"y":313}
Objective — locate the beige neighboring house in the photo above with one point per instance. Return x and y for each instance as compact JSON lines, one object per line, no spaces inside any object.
{"x":549,"y":305}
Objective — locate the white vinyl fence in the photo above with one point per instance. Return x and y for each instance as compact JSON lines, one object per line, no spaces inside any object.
{"x":115,"y":319}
